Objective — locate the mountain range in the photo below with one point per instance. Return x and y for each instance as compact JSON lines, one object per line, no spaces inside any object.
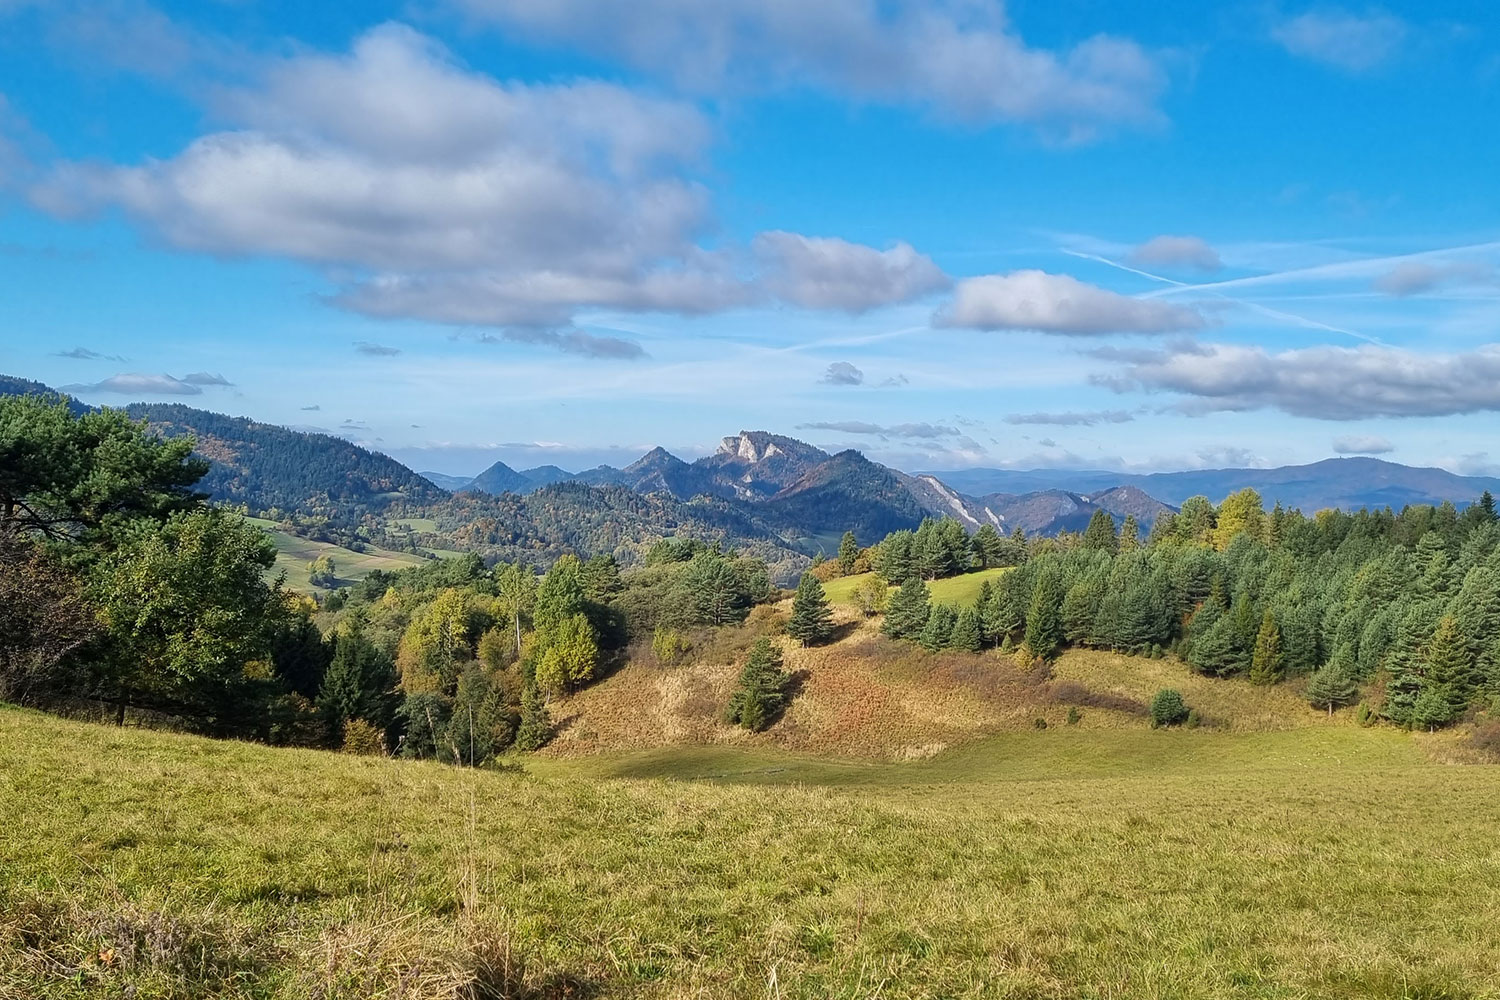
{"x":784,"y":498}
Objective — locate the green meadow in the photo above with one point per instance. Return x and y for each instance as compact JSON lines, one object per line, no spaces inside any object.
{"x":293,"y":553}
{"x":1321,"y":862}
{"x":960,"y":590}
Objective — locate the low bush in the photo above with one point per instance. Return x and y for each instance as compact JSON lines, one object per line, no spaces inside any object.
{"x":1168,"y":709}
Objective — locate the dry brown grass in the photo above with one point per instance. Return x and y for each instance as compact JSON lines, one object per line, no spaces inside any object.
{"x":871,"y":697}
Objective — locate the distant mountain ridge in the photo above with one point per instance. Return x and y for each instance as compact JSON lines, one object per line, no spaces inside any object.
{"x":1345,"y":483}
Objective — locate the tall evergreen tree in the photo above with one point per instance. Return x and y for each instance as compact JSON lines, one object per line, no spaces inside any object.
{"x":1100,"y":534}
{"x":812,"y":620}
{"x":966,"y":632}
{"x":1449,"y":666}
{"x":848,"y":553}
{"x":906,"y":615}
{"x":360,"y":683}
{"x":1332,"y":685}
{"x":535,"y":730}
{"x":1044,"y":627}
{"x":989,"y":547}
{"x":1130,"y":534}
{"x":938,"y":632}
{"x":761,"y":691}
{"x":1266,"y":662}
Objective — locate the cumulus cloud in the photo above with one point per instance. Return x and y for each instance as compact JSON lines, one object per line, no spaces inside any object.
{"x":1058,"y":303}
{"x":1362,"y":444}
{"x":372,"y":350}
{"x":442,"y":194}
{"x":574,"y":342}
{"x":919,"y":430}
{"x":843,"y":373}
{"x":85,"y":354}
{"x":1352,"y":42}
{"x":1325,"y":382}
{"x":828,"y":273}
{"x":1072,"y":419}
{"x":961,"y":59}
{"x":138,"y":384}
{"x":1176,"y":251}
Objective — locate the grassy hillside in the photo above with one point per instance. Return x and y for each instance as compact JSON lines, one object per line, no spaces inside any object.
{"x":962,"y":589}
{"x":294,"y":553}
{"x":1330,"y":862}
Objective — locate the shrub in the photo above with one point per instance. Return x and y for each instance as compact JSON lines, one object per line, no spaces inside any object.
{"x":1168,"y":709}
{"x":1038,"y":723}
{"x":1486,"y":739}
{"x":1194,"y":720}
{"x":360,"y":737}
{"x":1074,"y":716}
{"x":761,"y":692}
{"x":668,"y":644}
{"x":1364,"y":714}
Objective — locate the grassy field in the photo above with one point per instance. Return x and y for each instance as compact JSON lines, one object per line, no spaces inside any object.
{"x":1321,"y":862}
{"x":294,"y":553}
{"x":959,"y":590}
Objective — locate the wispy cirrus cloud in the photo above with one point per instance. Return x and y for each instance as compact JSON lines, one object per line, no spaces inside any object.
{"x":1356,"y":43}
{"x":373,"y":350}
{"x":1072,"y":418}
{"x":138,"y":384}
{"x":909,"y":430}
{"x":85,"y":354}
{"x":1362,"y":444}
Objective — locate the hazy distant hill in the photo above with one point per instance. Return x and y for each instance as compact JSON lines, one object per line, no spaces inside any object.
{"x":500,"y":478}
{"x":1335,"y":482}
{"x":1047,"y":512}
{"x":444,"y":481}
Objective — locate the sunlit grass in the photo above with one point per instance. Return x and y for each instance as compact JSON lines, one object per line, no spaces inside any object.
{"x":293,"y":553}
{"x":961,"y":589}
{"x":1326,"y":862}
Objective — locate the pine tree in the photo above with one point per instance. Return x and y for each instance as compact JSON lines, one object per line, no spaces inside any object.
{"x":938,"y":632}
{"x":1332,"y":685}
{"x":1130,"y":534}
{"x":966,"y":633}
{"x":478,"y":727}
{"x":1100,"y":534}
{"x":989,"y":547}
{"x":848,"y":553}
{"x":1431,"y":709}
{"x":761,"y":691}
{"x":812,"y":621}
{"x":906,"y":615}
{"x":1449,"y":666}
{"x":535,"y":730}
{"x":1266,"y":665}
{"x":1044,"y":628}
{"x":360,"y":683}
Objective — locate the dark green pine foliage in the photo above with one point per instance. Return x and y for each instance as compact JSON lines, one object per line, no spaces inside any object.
{"x":1407,"y":662}
{"x":1044,"y":626}
{"x":536,"y":729}
{"x":1100,"y":534}
{"x":906,"y":614}
{"x":812,"y":621}
{"x":938,"y":632}
{"x":1449,"y":670}
{"x":967,"y":635}
{"x":989,"y":547}
{"x":1167,"y":709}
{"x":1130,"y":534}
{"x":893,"y":557}
{"x":1266,"y":662}
{"x":848,"y":553}
{"x":360,"y":683}
{"x":479,"y":726}
{"x":761,"y":692}
{"x":1080,"y":608}
{"x":1332,"y":685}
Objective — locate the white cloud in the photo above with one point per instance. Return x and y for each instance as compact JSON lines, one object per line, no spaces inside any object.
{"x":828,"y":273}
{"x":957,"y":57}
{"x":1328,"y":383}
{"x":368,"y":349}
{"x":1362,"y":444}
{"x":1412,"y":277}
{"x":1176,"y":251}
{"x":138,"y":384}
{"x":429,"y":191}
{"x":1353,"y":42}
{"x":206,"y":378}
{"x":1072,"y":419}
{"x":843,"y":373}
{"x":1058,"y":303}
{"x":921,"y":431}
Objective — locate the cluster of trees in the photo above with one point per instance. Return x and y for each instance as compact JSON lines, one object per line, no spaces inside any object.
{"x":1405,"y":607}
{"x":941,"y":547}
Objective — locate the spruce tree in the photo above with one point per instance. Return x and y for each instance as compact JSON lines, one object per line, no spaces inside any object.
{"x":1332,"y":685}
{"x":989,"y":547}
{"x":1266,"y":662}
{"x":1044,"y":627}
{"x":1449,"y":666}
{"x":360,"y":683}
{"x":812,"y":621}
{"x":1130,"y":534}
{"x":535,"y":730}
{"x":1431,"y":709}
{"x":848,"y":553}
{"x":966,"y":633}
{"x":761,"y":691}
{"x":1100,"y":534}
{"x":906,"y":615}
{"x":938,"y":632}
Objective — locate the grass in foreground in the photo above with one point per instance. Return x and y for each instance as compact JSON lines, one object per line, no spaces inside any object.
{"x":1335,"y":862}
{"x":961,"y":590}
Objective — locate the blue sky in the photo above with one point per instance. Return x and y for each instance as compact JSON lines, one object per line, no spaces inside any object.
{"x":1086,"y":234}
